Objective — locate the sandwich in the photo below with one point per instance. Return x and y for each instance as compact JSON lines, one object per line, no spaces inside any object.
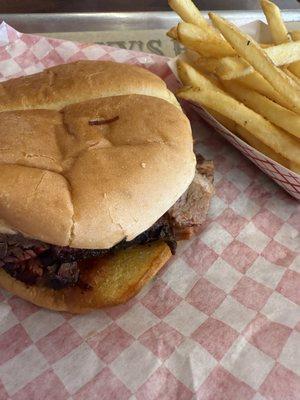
{"x":98,"y":181}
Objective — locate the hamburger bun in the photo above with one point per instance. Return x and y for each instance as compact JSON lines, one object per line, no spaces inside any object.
{"x":91,"y":153}
{"x":66,"y":181}
{"x":59,"y":86}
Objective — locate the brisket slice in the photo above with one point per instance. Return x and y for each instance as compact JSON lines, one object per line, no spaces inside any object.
{"x":38,"y":263}
{"x":190,"y":211}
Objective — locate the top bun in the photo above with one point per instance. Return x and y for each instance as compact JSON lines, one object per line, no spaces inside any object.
{"x":62,"y":85}
{"x":89,"y":173}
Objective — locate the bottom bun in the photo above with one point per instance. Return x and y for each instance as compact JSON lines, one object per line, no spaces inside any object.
{"x":114,"y":279}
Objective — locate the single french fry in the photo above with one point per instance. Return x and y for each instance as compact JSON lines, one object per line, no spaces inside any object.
{"x":172,"y":33}
{"x":272,"y":136}
{"x":247,"y":48}
{"x":202,"y":41}
{"x":188,"y":12}
{"x":280,"y":116}
{"x":277,"y":27}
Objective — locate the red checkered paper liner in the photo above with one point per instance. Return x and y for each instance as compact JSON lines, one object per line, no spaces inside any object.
{"x":221,"y":321}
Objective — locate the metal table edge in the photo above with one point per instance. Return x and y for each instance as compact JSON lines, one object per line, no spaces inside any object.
{"x":84,"y":22}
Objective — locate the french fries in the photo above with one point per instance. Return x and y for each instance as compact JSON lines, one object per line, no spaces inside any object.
{"x":202,"y":41}
{"x":276,"y":114}
{"x":191,"y":77}
{"x":234,"y":67}
{"x":245,"y":135}
{"x":230,"y":67}
{"x":247,"y":48}
{"x":273,"y":137}
{"x":252,"y":89}
{"x":278,"y":29}
{"x":258,"y":83}
{"x":254,"y":81}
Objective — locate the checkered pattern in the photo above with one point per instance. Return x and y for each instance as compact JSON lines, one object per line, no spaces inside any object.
{"x":222,"y":321}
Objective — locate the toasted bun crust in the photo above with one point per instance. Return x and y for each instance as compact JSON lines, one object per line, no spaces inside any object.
{"x":114,"y":279}
{"x":67,"y":182}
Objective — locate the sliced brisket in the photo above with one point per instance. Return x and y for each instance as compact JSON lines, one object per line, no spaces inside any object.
{"x":35,"y":262}
{"x":190,"y":211}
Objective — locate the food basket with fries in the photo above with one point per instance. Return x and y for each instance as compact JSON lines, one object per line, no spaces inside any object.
{"x":248,"y":90}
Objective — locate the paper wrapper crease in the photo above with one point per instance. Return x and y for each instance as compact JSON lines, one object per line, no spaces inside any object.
{"x":221,"y":321}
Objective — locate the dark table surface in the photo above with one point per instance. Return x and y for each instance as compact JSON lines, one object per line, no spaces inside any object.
{"x":32,"y":6}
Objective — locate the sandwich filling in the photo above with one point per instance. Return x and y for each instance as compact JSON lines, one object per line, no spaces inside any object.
{"x":37,"y":263}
